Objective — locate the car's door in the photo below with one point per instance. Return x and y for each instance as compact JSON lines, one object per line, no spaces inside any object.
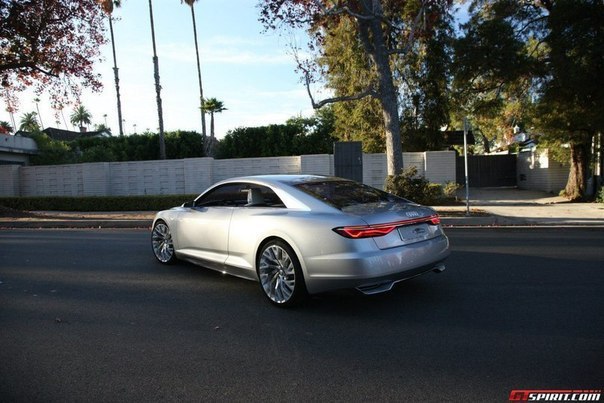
{"x":249,"y":223}
{"x":203,"y":229}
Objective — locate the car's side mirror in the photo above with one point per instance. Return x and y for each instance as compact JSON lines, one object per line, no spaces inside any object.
{"x":189,"y":204}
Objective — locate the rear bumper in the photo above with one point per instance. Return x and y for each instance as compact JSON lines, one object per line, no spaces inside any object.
{"x":377,"y":270}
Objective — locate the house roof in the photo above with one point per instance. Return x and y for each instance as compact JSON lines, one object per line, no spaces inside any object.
{"x":68,"y":135}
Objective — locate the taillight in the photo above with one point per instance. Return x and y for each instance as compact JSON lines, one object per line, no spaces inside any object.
{"x":377,"y":230}
{"x":364,"y":231}
{"x":434,"y":220}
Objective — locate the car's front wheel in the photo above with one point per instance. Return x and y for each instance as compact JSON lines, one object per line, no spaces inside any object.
{"x":280,"y":274}
{"x":161,"y":242}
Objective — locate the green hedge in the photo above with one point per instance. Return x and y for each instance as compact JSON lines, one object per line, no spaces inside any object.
{"x":112,"y":203}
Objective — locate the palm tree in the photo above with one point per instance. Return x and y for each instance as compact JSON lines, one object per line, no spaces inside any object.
{"x":160,"y":115}
{"x":5,"y":128}
{"x":37,"y":101}
{"x":211,"y":106}
{"x":108,"y":6}
{"x":81,"y":117}
{"x":203,"y":115}
{"x":29,"y":122}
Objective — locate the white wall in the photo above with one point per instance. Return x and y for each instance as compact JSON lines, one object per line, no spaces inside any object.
{"x":190,"y":176}
{"x":536,"y":171}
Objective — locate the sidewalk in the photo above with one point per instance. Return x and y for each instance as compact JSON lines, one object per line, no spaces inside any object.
{"x":516,"y":207}
{"x":491,"y":207}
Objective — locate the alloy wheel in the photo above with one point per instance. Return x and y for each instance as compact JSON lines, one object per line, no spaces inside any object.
{"x":161,"y":242}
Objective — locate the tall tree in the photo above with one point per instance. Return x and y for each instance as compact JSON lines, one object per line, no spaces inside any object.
{"x":160,"y":114}
{"x":49,"y":45}
{"x":80,"y":117}
{"x":382,"y":33}
{"x":421,"y":77}
{"x":493,"y":69}
{"x":108,"y":6}
{"x":212,"y":106}
{"x":191,"y":3}
{"x":571,"y":109}
{"x":516,"y":58}
{"x":29,"y":122}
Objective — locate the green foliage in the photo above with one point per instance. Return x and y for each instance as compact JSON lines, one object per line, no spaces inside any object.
{"x":450,"y":190}
{"x":29,"y":122}
{"x":410,"y":185}
{"x":600,"y":196}
{"x":80,"y":116}
{"x":5,"y":127}
{"x":138,"y":147}
{"x":298,"y":136}
{"x":184,"y":144}
{"x":113,"y":203}
{"x":426,"y":80}
{"x":51,"y":152}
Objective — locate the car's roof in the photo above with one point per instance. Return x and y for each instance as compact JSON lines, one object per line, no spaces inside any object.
{"x":284,"y":186}
{"x":282,"y":178}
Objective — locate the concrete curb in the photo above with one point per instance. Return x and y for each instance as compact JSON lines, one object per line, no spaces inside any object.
{"x":487,"y":221}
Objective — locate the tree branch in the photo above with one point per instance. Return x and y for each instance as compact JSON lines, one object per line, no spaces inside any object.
{"x":316,"y":105}
{"x":25,"y":65}
{"x":414,"y":26}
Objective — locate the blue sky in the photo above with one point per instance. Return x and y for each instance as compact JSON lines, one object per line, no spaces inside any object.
{"x":251,"y":72}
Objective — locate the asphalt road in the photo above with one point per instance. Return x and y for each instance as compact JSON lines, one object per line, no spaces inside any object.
{"x":88,"y":315}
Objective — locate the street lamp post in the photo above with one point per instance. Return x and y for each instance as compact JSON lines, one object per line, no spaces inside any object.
{"x":465,"y":155}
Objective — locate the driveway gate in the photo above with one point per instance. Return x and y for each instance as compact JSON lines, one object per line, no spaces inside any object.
{"x":488,"y":170}
{"x":348,"y":160}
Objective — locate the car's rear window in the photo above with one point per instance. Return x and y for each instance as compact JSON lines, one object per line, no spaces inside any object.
{"x":342,"y":194}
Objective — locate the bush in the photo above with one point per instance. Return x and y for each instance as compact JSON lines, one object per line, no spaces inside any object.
{"x":450,"y":190}
{"x":600,"y":196}
{"x":410,"y":185}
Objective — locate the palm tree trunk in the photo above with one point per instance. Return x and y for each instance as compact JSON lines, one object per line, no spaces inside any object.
{"x":210,"y":147}
{"x":117,"y":79}
{"x":39,"y":116}
{"x":162,"y":144}
{"x":203,"y":117}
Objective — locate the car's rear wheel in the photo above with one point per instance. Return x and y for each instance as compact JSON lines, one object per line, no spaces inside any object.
{"x":161,"y":242}
{"x":280,"y":274}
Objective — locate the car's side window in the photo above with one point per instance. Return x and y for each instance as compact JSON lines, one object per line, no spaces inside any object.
{"x":240,"y":195}
{"x":262,"y":196}
{"x":229,"y":195}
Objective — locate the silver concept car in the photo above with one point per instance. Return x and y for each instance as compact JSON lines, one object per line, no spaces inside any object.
{"x":303,"y":234}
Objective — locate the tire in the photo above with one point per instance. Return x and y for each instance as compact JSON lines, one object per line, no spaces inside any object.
{"x":280,"y":274}
{"x":161,"y":243}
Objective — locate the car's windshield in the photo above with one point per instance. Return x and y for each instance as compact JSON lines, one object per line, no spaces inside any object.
{"x":343,"y":193}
